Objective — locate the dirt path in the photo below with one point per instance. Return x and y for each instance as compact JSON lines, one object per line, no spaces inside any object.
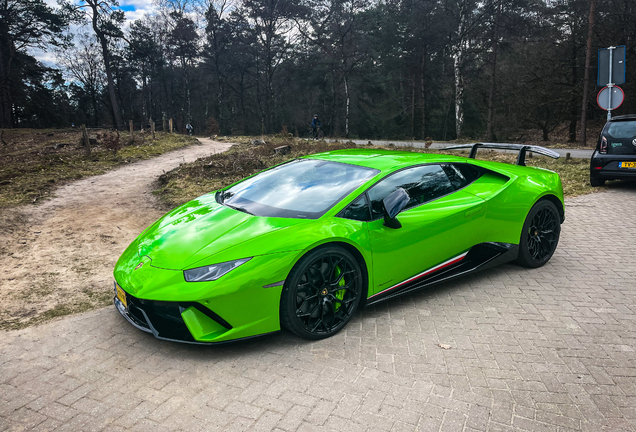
{"x":57,"y":258}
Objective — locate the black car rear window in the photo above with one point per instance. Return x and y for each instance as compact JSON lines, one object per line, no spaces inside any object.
{"x":621,"y":137}
{"x":622,"y":129}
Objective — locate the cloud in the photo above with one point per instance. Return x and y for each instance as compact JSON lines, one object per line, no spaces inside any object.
{"x":133,"y":10}
{"x":46,"y":57}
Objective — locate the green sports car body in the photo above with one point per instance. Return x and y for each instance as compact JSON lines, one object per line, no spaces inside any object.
{"x":306,"y":243}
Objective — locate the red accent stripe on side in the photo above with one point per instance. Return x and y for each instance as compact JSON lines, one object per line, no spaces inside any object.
{"x":425,"y":273}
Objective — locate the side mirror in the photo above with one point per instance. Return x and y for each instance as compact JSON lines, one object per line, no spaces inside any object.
{"x":393,"y":204}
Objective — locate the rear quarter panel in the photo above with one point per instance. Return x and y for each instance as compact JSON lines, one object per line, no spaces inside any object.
{"x":508,"y":203}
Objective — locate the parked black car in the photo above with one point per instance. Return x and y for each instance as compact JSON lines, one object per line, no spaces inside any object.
{"x":615,"y":154}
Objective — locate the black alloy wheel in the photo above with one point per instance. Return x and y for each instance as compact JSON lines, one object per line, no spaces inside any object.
{"x":540,"y":235}
{"x":321,"y":293}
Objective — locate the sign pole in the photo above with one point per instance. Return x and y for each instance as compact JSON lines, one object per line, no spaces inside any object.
{"x":610,"y":85}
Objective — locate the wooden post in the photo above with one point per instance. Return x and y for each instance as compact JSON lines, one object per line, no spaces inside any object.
{"x":132,"y":138}
{"x":87,"y":142}
{"x":567,"y":157}
{"x":170,"y":125}
{"x":152,"y":129}
{"x":163,"y":122}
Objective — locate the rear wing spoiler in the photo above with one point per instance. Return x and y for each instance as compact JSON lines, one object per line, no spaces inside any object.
{"x":521,"y":148}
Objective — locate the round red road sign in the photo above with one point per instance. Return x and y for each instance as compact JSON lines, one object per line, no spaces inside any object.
{"x":618,"y":96}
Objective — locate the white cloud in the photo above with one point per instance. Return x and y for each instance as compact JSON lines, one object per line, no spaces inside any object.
{"x":141,"y":8}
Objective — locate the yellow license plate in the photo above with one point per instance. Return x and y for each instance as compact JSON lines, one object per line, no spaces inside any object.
{"x":628,"y":165}
{"x":121,"y":295}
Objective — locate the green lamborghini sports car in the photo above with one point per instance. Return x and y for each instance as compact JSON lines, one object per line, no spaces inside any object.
{"x":305,"y":244}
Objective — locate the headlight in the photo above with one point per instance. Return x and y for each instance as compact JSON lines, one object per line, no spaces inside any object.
{"x":212,"y":272}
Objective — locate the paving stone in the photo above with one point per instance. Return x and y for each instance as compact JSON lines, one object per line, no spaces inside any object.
{"x":549,"y":349}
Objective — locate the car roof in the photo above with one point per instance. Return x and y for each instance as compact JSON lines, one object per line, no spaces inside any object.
{"x":623,"y":118}
{"x":384,"y":160}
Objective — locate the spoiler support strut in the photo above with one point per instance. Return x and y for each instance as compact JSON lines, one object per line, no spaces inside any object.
{"x":521,"y":148}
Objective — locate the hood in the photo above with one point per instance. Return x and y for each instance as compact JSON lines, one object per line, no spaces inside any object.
{"x":199,"y":229}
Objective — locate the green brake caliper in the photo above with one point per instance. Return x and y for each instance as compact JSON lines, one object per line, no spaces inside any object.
{"x":340,"y":293}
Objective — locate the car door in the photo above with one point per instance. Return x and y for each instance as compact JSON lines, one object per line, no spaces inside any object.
{"x":440,"y":223}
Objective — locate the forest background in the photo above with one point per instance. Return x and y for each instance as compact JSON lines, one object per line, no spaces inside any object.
{"x":395,"y":69}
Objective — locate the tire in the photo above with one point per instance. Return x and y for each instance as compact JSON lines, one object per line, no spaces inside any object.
{"x":596,"y":182}
{"x":540,"y":235}
{"x":321,"y":293}
{"x":320,"y":135}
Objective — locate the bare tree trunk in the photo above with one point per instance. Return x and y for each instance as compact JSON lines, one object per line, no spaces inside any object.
{"x":459,"y":94}
{"x":586,"y":79}
{"x":87,"y":142}
{"x":573,"y":98}
{"x":95,"y":109}
{"x":493,"y":72}
{"x":423,"y":95}
{"x":348,"y":96}
{"x":413,"y":107}
{"x":458,"y":63}
{"x":111,"y":85}
{"x":7,"y":49}
{"x":145,"y":112}
{"x":109,"y":74}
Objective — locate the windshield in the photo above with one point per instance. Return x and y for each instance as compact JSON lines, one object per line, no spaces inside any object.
{"x":304,"y":188}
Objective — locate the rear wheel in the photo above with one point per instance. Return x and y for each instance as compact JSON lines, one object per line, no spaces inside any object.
{"x":596,"y":182}
{"x":321,"y":293}
{"x":540,"y":235}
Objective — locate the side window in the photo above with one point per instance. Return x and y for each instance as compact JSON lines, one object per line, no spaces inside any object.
{"x":357,"y":210}
{"x":461,"y":175}
{"x":423,"y":183}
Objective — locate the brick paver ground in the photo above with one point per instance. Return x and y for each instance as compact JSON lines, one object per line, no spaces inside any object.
{"x":551,"y":349}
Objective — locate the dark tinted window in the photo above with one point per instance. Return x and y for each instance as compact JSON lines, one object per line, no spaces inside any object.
{"x":357,"y":210}
{"x":461,"y":175}
{"x":622,"y":129}
{"x":304,"y":188}
{"x":423,"y":184}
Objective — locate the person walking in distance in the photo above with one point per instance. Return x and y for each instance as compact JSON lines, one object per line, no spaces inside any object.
{"x":315,"y":124}
{"x":189,"y":128}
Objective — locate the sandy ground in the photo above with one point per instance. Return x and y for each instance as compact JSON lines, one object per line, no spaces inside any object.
{"x":57,"y":257}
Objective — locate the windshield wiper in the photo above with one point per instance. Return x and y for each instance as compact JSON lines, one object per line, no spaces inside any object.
{"x":220,"y":196}
{"x":239,"y":209}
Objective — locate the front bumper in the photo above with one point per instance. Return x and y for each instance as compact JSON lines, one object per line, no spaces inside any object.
{"x":242,"y":304}
{"x":171,"y":320}
{"x":175,"y":321}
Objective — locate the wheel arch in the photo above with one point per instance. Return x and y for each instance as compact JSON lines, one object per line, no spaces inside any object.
{"x":557,"y":202}
{"x":353,"y":250}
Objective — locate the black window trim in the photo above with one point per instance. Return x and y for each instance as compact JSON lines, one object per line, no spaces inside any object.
{"x":368,"y":201}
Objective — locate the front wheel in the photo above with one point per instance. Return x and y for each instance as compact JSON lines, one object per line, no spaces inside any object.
{"x":540,"y":235}
{"x":321,"y":293}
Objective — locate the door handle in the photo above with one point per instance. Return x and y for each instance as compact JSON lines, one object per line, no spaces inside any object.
{"x":473,"y":211}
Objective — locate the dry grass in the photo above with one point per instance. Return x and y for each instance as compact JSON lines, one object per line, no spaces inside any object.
{"x":204,"y":175}
{"x":33,"y":162}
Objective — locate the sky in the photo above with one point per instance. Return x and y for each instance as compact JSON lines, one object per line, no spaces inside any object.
{"x":133,"y":10}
